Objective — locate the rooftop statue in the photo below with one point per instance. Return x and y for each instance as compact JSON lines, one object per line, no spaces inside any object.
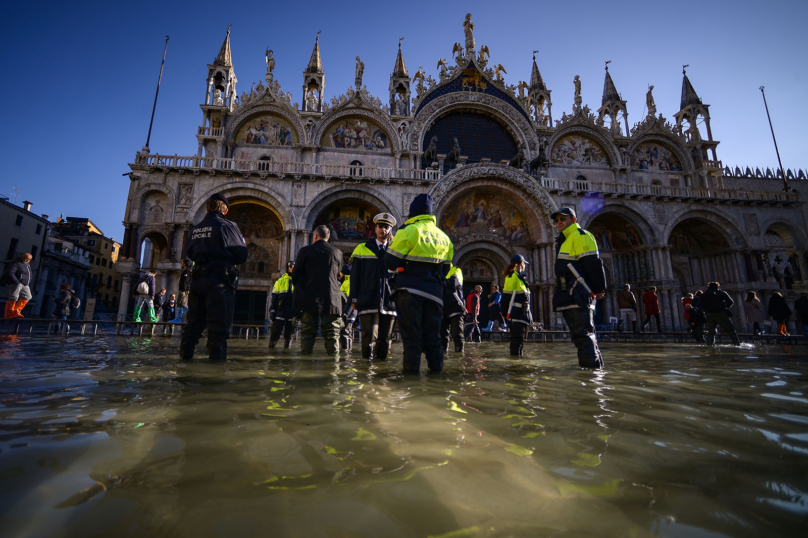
{"x":577,"y":82}
{"x":360,"y":71}
{"x":649,"y":101}
{"x":468,"y":29}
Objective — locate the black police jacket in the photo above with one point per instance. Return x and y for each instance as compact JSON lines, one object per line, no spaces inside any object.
{"x":715,"y":300}
{"x":453,"y":304}
{"x":370,"y":288}
{"x":216,"y":246}
{"x":316,"y":279}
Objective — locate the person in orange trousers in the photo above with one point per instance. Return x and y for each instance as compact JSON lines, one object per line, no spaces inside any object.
{"x":17,"y":277}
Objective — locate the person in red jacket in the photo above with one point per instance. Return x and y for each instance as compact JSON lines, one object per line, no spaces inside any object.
{"x":473,"y":313}
{"x":651,"y":303}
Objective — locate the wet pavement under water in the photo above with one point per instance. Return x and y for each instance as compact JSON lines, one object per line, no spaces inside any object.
{"x":116,"y":437}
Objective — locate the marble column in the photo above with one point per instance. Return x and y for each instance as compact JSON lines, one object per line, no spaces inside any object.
{"x":664,"y":308}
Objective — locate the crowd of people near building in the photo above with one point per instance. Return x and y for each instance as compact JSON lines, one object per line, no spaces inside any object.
{"x":404,"y":279}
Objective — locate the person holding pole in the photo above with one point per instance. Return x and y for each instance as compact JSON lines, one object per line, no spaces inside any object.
{"x":580,"y":281}
{"x":516,"y":303}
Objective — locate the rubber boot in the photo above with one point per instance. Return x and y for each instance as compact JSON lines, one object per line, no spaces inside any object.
{"x":372,"y":351}
{"x":152,"y":317}
{"x":459,"y":346}
{"x":620,"y":326}
{"x":272,"y":344}
{"x":136,"y":317}
{"x":9,"y":313}
{"x":634,"y":324}
{"x":287,"y":342}
{"x":18,"y":308}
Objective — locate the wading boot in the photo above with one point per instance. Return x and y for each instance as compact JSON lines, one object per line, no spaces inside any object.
{"x":287,"y":343}
{"x":9,"y":313}
{"x":152,"y":317}
{"x":272,"y":344}
{"x":18,"y":308}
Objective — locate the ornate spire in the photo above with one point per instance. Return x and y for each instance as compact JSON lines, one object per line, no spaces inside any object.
{"x":609,"y":91}
{"x":315,"y":65}
{"x":689,"y":96}
{"x":536,"y":82}
{"x":224,"y":58}
{"x":400,"y":70}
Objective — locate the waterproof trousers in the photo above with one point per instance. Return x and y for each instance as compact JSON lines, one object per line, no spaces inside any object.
{"x":582,"y":332}
{"x":377,"y":333}
{"x":330,"y":326}
{"x":698,"y":332}
{"x":720,"y":319}
{"x":210,"y":307}
{"x":473,"y":333}
{"x":419,"y":320}
{"x":346,"y":335}
{"x":452,"y":327}
{"x":517,"y":334}
{"x":285,"y":326}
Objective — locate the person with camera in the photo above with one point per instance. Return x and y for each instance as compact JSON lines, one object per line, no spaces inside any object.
{"x":215,"y":246}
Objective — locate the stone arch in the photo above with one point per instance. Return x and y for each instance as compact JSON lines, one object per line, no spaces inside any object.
{"x":684,"y":157}
{"x":498,"y":176}
{"x":243,"y":115}
{"x":518,"y":126}
{"x":340,"y":192}
{"x":495,"y":255}
{"x":648,"y":232}
{"x":136,"y":212}
{"x":794,"y":238}
{"x":604,"y":142}
{"x":723,"y":223}
{"x":243,"y":189}
{"x":160,"y":247}
{"x":335,"y":115}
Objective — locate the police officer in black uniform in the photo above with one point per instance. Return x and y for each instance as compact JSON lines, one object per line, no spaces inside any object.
{"x":215,"y":246}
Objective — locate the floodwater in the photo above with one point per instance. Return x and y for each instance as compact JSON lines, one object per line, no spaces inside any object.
{"x":115,"y":437}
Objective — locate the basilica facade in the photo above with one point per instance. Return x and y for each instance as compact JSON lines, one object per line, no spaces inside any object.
{"x":665,"y":211}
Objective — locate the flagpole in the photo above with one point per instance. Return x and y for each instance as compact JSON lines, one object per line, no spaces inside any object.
{"x":156,"y":93}
{"x":782,"y":171}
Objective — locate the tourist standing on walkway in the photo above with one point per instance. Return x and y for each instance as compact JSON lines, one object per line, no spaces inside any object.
{"x":516,"y":303}
{"x":159,"y":298}
{"x":779,"y":311}
{"x":627,"y":304}
{"x":695,"y":320}
{"x":17,"y":277}
{"x":371,"y":292}
{"x":753,"y":309}
{"x":650,"y":301}
{"x":317,"y":299}
{"x":169,"y":308}
{"x":801,"y":307}
{"x":346,"y":334}
{"x":473,"y":315}
{"x":145,"y":296}
{"x":716,"y":303}
{"x":421,"y":255}
{"x":63,"y":302}
{"x":216,"y":247}
{"x":453,"y":311}
{"x":184,"y":289}
{"x":281,"y":311}
{"x":494,"y":308}
{"x":577,"y":247}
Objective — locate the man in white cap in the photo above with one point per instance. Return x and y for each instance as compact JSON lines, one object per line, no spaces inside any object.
{"x":370,"y":293}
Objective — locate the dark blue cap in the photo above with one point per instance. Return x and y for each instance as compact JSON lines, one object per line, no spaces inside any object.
{"x":518,"y":258}
{"x":421,"y":205}
{"x":346,"y":269}
{"x":290,"y":263}
{"x":220,"y":198}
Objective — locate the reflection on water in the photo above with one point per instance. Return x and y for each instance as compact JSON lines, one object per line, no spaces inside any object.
{"x":116,"y":437}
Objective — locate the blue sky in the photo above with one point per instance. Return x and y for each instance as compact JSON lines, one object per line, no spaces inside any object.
{"x":82,"y":75}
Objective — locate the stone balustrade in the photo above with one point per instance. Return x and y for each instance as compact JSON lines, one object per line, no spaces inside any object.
{"x":211,"y":131}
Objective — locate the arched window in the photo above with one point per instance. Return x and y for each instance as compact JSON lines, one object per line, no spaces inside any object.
{"x":356,"y":168}
{"x":265,"y":163}
{"x":479,"y":135}
{"x":261,"y":267}
{"x":580,"y":178}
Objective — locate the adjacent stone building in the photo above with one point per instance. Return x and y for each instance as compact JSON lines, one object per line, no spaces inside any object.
{"x":665,"y":210}
{"x":22,"y":231}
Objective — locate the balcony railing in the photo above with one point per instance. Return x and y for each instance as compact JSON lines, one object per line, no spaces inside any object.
{"x":211,"y":131}
{"x":359,"y":173}
{"x":68,"y":253}
{"x":288,"y":168}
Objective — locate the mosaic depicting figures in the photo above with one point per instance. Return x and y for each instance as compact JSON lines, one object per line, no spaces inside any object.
{"x":263,"y":233}
{"x":578,"y":151}
{"x":266,"y":130}
{"x":683,"y":241}
{"x":356,"y":133}
{"x":652,"y":156}
{"x":616,"y":235}
{"x":350,"y":220}
{"x":485,"y":214}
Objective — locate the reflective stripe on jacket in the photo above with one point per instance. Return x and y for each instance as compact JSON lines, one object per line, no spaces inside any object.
{"x":578,"y":247}
{"x":422,"y":253}
{"x":516,"y":290}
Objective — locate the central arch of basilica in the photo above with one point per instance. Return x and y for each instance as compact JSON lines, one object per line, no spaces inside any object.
{"x":664,"y":209}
